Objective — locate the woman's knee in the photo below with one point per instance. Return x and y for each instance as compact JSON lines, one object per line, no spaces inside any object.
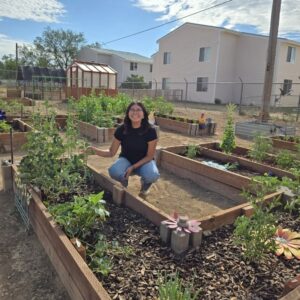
{"x":150,"y":173}
{"x":118,"y":169}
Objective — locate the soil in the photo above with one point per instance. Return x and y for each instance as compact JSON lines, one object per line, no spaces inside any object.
{"x":217,"y":269}
{"x":26,"y":272}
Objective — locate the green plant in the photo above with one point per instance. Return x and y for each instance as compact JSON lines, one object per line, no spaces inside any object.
{"x":285,"y":159}
{"x":260,"y":148}
{"x":103,"y":253}
{"x":173,"y":289}
{"x":43,"y":165}
{"x":80,"y":216}
{"x":255,"y":234}
{"x":232,"y":166}
{"x":228,"y":139}
{"x":4,"y":127}
{"x":192,"y":151}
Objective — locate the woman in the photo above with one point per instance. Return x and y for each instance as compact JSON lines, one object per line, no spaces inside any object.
{"x":138,"y":140}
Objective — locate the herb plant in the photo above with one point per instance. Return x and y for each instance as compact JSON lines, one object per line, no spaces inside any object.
{"x":173,"y":289}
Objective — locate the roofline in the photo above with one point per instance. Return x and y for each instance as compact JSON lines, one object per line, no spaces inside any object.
{"x":229,"y":31}
{"x":131,"y":60}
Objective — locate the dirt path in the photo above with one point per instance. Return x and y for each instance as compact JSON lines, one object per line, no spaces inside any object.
{"x":26,"y":272}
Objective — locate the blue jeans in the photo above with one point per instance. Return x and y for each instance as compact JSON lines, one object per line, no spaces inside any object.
{"x":148,"y":172}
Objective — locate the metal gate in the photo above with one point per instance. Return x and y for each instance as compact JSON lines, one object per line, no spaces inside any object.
{"x":22,"y":200}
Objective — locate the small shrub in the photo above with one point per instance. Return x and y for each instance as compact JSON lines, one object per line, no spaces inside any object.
{"x":285,"y":159}
{"x":4,"y":127}
{"x":192,"y":151}
{"x":260,"y":148}
{"x":228,"y":139}
{"x":218,"y":101}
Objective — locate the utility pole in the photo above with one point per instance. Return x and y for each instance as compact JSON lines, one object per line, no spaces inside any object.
{"x":17,"y":55}
{"x":270,"y":60}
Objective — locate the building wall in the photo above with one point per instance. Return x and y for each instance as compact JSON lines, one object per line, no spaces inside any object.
{"x":121,"y":65}
{"x":226,"y":68}
{"x":184,"y":45}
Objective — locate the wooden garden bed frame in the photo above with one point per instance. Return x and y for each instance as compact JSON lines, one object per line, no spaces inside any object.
{"x":191,"y":129}
{"x":209,"y":149}
{"x":277,"y":142}
{"x":78,"y":279}
{"x":18,"y":138}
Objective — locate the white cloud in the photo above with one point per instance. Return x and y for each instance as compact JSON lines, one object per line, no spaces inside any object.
{"x":256,"y":13}
{"x":8,"y":45}
{"x":37,"y":10}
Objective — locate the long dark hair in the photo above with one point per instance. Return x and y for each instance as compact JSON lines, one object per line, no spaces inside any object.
{"x":145,"y":122}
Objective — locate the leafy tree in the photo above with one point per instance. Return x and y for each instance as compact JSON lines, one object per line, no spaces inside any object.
{"x":94,"y":45}
{"x":59,"y":45}
{"x":135,"y":82}
{"x":30,"y":56}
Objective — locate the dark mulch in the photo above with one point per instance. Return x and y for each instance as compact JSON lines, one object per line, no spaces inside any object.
{"x":217,"y":268}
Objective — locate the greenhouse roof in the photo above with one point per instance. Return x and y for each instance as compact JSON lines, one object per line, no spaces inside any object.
{"x":93,"y":67}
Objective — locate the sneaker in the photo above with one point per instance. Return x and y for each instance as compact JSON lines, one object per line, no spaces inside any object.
{"x":145,"y":188}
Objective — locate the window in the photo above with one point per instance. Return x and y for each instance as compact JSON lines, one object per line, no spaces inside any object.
{"x":291,"y":54}
{"x":167,"y":58}
{"x":204,"y":54}
{"x":165,"y":83}
{"x":202,"y":84}
{"x":151,"y":67}
{"x":287,"y":87}
{"x":133,"y":66}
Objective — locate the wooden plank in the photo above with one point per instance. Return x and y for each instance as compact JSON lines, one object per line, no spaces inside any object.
{"x":205,"y":182}
{"x":78,"y":270}
{"x":227,"y":177}
{"x":104,"y":181}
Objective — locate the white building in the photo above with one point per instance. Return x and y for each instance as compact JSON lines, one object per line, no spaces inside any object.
{"x":208,"y":63}
{"x":125,"y":63}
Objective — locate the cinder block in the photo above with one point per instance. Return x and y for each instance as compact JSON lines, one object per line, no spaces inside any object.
{"x":165,"y":232}
{"x":118,"y":195}
{"x":196,"y":238}
{"x":179,"y":241}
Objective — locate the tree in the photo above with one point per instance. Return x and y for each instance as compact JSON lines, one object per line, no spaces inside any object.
{"x":8,"y":67}
{"x":94,"y":45}
{"x":61,"y":46}
{"x":134,"y":82}
{"x":30,"y":56}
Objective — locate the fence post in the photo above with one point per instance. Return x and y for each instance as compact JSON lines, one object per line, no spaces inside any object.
{"x":155,"y":93}
{"x":298,"y":109}
{"x":241,"y":95}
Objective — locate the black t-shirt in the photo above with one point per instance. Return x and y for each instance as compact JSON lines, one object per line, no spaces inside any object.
{"x":134,"y":144}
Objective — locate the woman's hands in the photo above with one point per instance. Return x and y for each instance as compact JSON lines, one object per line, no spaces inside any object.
{"x":129,"y":171}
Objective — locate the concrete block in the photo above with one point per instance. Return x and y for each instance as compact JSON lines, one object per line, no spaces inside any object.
{"x":196,"y":238}
{"x":179,"y":241}
{"x":118,"y":195}
{"x":165,"y":232}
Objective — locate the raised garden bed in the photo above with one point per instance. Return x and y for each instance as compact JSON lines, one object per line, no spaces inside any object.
{"x":240,"y":155}
{"x":217,"y":268}
{"x":289,"y":143}
{"x":18,"y":136}
{"x":184,"y":126}
{"x":93,"y":132}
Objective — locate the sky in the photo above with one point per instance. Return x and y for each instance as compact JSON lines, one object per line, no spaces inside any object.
{"x":21,"y":21}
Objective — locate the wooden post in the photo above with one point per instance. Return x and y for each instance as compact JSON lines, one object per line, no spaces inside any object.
{"x":270,"y":61}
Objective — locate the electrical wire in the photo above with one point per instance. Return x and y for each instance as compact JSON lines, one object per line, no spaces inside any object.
{"x":158,"y":26}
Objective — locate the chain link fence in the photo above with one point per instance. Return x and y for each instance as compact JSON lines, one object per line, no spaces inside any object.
{"x":247,"y":95}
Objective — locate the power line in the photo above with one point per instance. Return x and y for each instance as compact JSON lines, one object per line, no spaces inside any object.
{"x":151,"y":28}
